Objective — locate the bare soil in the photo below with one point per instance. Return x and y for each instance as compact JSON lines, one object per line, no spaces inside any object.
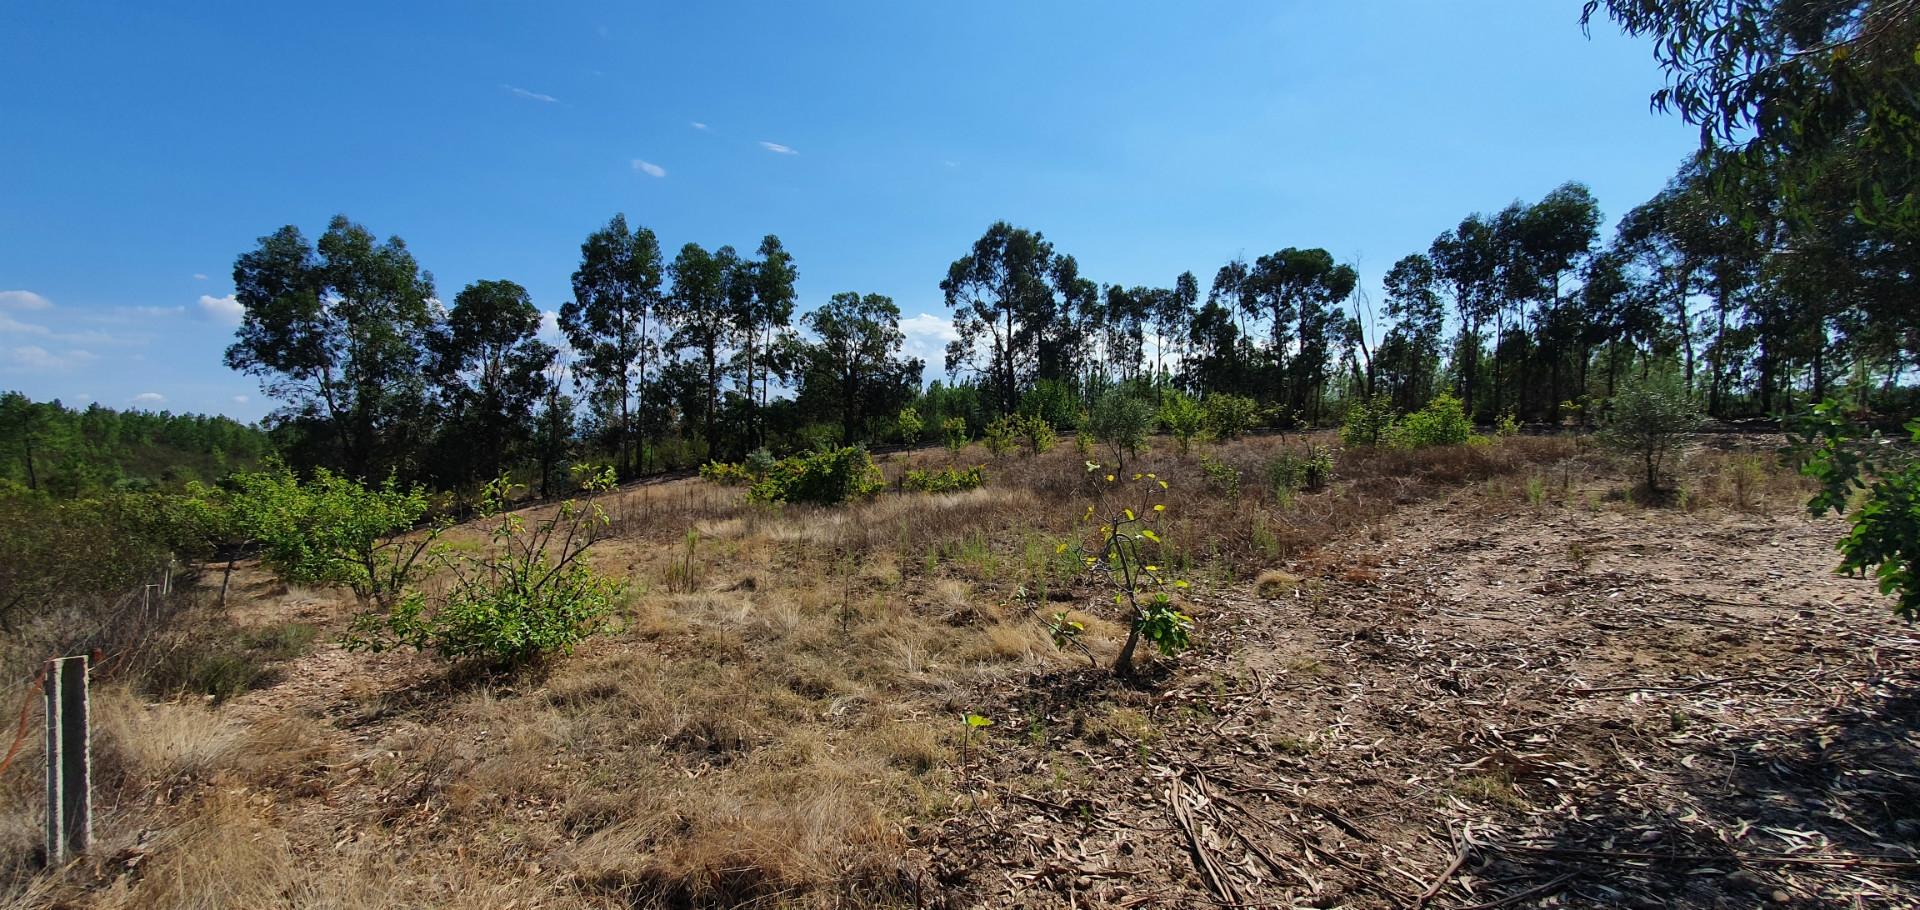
{"x":1574,"y":705}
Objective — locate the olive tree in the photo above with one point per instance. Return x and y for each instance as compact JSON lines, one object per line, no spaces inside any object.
{"x":1650,"y":418}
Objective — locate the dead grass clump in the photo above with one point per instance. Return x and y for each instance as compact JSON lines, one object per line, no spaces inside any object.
{"x":811,"y":846}
{"x":225,"y":855}
{"x":913,"y":746}
{"x":1275,"y":583}
{"x":142,"y":746}
{"x":1745,"y":480}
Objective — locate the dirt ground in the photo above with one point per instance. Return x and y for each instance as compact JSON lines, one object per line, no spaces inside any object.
{"x":1575,"y":705}
{"x":1517,"y":691}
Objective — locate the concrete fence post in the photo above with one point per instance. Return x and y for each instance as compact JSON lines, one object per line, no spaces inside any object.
{"x":69,"y":760}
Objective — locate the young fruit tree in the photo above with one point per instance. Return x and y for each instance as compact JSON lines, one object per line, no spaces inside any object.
{"x":1650,"y":419}
{"x":1129,"y":541}
{"x":526,"y":596}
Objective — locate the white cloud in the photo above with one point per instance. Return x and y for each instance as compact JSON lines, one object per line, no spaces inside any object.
{"x":152,"y":310}
{"x":149,"y":398}
{"x":649,"y":168}
{"x":10,"y":324}
{"x":240,"y":399}
{"x":199,"y":276}
{"x":927,"y":337}
{"x":225,"y":310}
{"x":777,"y":148}
{"x":698,"y":125}
{"x":550,"y":328}
{"x":35,"y":359}
{"x":519,"y":92}
{"x":24,"y":300}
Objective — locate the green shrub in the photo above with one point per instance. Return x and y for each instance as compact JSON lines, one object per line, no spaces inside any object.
{"x":1185,"y":420}
{"x":1289,"y":473}
{"x":528,"y":596}
{"x":1083,"y":443}
{"x":1367,"y":421}
{"x":1052,"y":401}
{"x":1123,"y":422}
{"x":1441,"y":423}
{"x":826,"y":476}
{"x":1507,"y":425}
{"x":1885,"y":479}
{"x":953,"y":430}
{"x":333,"y":530}
{"x":1231,"y":416}
{"x":909,"y":425}
{"x":945,"y":480}
{"x":1001,"y":435}
{"x":1222,"y":478}
{"x":1036,"y":434}
{"x":1650,"y":419}
{"x":726,"y":474}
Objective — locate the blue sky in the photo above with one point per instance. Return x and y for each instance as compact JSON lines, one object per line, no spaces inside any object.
{"x":146,"y":145}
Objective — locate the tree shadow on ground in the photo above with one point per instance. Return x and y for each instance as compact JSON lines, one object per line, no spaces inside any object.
{"x":1825,"y":813}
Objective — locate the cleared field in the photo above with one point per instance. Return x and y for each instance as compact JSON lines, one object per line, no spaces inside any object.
{"x":1474,"y":676}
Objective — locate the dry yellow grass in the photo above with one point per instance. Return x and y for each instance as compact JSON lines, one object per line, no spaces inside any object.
{"x":762,"y":736}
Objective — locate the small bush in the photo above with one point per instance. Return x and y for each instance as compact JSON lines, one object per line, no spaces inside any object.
{"x":1290,"y":473}
{"x":529,"y":596}
{"x":1221,"y":477}
{"x":1231,"y":416}
{"x":945,"y":480}
{"x":1001,"y":436}
{"x":332,"y":530}
{"x":909,"y":425}
{"x":953,"y":431}
{"x":726,"y":474}
{"x":1650,"y":419}
{"x":758,"y":463}
{"x":1123,"y":422}
{"x":1036,"y":434}
{"x":1443,"y":422}
{"x":827,"y":476}
{"x":1507,"y":425}
{"x":1368,"y":421}
{"x":1185,"y":420}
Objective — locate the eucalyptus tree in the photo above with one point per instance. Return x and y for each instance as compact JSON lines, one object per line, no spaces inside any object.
{"x":611,"y":324}
{"x":1410,"y":351}
{"x":490,"y":371}
{"x":1540,"y":244}
{"x":1217,"y":336}
{"x":706,"y":288}
{"x":1466,"y":262}
{"x":1124,"y":322}
{"x":762,"y":312}
{"x":1015,"y":304}
{"x":855,"y":368}
{"x":337,"y":331}
{"x":1298,"y":292}
{"x":554,"y":429}
{"x":1789,"y":94}
{"x":1173,"y":312}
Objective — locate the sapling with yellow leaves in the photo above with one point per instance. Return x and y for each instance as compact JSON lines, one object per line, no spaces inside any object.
{"x":1129,"y":523}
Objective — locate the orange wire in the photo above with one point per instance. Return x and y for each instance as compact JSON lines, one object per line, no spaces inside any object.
{"x":20,"y":733}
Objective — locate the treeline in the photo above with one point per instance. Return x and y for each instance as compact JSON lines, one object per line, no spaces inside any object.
{"x":669,"y":362}
{"x":49,"y":448}
{"x":1523,"y":314}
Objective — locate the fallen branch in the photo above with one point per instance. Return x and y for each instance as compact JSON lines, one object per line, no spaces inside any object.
{"x":1462,"y":848}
